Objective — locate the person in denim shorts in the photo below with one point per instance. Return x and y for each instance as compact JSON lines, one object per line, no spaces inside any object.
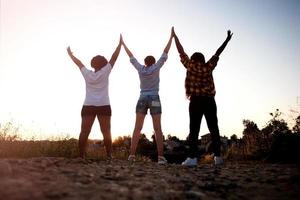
{"x":96,"y":101}
{"x":149,"y":99}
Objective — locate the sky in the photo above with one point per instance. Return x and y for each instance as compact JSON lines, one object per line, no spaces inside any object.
{"x":42,"y":90}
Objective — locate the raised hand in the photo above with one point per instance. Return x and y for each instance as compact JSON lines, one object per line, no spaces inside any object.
{"x":115,"y":55}
{"x":173,"y":32}
{"x":167,"y":48}
{"x":121,"y":39}
{"x":69,"y":51}
{"x":229,"y":35}
{"x":75,"y":60}
{"x":178,"y":44}
{"x":126,"y":49}
{"x":222,"y":47}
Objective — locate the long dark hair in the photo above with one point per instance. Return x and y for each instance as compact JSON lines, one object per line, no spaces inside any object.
{"x":198,"y":57}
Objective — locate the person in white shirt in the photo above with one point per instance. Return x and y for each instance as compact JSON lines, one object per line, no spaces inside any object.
{"x":96,"y":101}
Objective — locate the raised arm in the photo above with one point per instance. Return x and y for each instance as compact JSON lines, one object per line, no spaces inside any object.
{"x":222,"y":47}
{"x":178,"y":45}
{"x":126,"y":49}
{"x":116,"y":53}
{"x":167,"y":48}
{"x":75,"y":60}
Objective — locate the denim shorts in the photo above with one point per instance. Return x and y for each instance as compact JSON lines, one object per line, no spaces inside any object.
{"x":146,"y":102}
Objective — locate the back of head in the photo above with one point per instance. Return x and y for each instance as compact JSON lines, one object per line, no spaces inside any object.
{"x":198,"y":57}
{"x":149,"y":60}
{"x":98,"y":62}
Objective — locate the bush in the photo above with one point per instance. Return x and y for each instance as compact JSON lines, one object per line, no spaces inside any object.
{"x":285,"y":148}
{"x":8,"y":132}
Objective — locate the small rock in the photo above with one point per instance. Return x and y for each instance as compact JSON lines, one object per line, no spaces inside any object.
{"x":194,"y":194}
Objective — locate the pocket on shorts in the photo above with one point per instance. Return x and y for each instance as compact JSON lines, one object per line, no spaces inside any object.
{"x":155,"y":103}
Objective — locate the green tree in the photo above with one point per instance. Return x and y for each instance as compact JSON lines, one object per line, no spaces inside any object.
{"x":250,"y":127}
{"x":285,"y":145}
{"x":296,"y":128}
{"x":122,"y":141}
{"x":251,"y":136}
{"x":277,"y":125}
{"x":233,"y":138}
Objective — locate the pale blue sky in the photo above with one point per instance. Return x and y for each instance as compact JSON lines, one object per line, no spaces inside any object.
{"x":43,"y":91}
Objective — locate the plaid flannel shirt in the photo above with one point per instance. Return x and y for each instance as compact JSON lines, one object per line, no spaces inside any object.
{"x":199,"y":80}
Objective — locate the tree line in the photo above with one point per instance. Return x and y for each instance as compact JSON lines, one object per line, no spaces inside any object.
{"x":275,"y":142}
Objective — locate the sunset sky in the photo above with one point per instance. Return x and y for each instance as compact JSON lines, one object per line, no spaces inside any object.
{"x":42,"y":90}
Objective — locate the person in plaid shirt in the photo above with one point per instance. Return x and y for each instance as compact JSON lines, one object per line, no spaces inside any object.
{"x":200,"y":90}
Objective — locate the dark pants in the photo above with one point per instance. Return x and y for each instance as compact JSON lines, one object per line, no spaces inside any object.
{"x":199,"y":106}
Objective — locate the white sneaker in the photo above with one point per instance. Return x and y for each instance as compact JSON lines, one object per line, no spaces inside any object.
{"x":162,"y":160}
{"x":131,"y":158}
{"x":218,"y":160}
{"x":190,"y":162}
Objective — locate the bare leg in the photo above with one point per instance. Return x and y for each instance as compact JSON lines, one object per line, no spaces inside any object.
{"x":158,"y":133}
{"x":104,"y":122}
{"x":86,"y":125}
{"x":139,"y":121}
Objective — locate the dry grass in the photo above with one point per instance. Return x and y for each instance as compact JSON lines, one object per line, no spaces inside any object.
{"x":67,"y":148}
{"x":13,"y":146}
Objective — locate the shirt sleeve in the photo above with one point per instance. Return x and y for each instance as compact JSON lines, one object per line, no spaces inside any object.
{"x":135,"y":63}
{"x":163,"y":58}
{"x":84,"y":71}
{"x":92,"y":76}
{"x":212,"y":63}
{"x":185,"y":60}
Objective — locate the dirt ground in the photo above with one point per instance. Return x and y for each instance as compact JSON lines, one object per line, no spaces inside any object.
{"x":61,"y":178}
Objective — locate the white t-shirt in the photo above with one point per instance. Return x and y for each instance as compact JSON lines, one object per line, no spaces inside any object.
{"x":96,"y":86}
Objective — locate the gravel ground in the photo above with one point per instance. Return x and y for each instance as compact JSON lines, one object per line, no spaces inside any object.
{"x":61,"y":178}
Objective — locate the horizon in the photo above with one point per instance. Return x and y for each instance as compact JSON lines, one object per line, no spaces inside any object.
{"x":43,"y":91}
{"x":10,"y":130}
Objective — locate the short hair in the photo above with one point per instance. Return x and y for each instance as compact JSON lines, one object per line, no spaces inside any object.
{"x":149,"y":60}
{"x":98,"y":61}
{"x":198,"y":57}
